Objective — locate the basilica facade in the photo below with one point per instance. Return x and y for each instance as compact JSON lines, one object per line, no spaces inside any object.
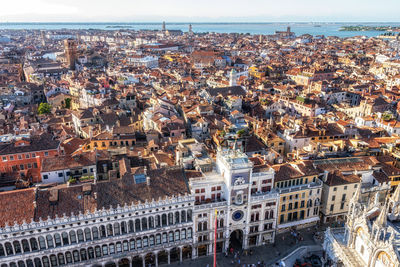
{"x":371,"y":236}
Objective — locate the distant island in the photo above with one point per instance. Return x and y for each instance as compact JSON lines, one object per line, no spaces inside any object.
{"x":118,"y":26}
{"x":362,"y":28}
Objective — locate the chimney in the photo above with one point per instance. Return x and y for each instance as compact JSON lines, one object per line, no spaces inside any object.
{"x":325,"y":177}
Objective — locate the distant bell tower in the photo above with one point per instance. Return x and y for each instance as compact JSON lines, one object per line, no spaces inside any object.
{"x":43,"y":36}
{"x":232,"y":78}
{"x":190,"y":29}
{"x":70,"y":52}
{"x":163,"y":26}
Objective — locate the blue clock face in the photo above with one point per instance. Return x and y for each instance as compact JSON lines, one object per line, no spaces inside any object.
{"x":237,"y":215}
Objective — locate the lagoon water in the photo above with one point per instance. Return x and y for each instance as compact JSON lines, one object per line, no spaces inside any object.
{"x":327,"y":29}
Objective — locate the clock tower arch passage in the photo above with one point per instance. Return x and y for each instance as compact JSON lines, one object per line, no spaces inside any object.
{"x":236,"y":240}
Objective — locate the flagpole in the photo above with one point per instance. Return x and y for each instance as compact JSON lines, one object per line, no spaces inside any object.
{"x":215,"y":239}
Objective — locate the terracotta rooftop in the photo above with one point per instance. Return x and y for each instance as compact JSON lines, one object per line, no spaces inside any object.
{"x":17,"y":206}
{"x":337,"y":178}
{"x":87,"y":197}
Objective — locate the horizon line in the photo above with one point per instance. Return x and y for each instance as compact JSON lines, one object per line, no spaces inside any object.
{"x":204,"y":22}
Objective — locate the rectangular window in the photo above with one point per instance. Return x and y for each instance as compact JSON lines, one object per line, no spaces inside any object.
{"x":60,"y":174}
{"x":333,"y":198}
{"x":46,"y":153}
{"x":11,"y":157}
{"x":342,"y":205}
{"x":343,"y":197}
{"x":283,"y":207}
{"x":332,"y":206}
{"x":4,"y":158}
{"x":282,"y":220}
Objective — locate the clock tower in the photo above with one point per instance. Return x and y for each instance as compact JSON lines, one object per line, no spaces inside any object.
{"x":236,"y":169}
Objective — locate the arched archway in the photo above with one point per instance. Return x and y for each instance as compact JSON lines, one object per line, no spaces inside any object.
{"x":174,"y":254}
{"x":162,"y":257}
{"x":186,"y":252}
{"x":150,"y":259}
{"x":110,"y":264}
{"x":123,"y":263}
{"x":202,"y":250}
{"x":382,"y":259}
{"x":236,"y":240}
{"x":137,"y":261}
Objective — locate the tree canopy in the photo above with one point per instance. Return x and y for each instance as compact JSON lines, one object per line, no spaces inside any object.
{"x":44,"y":108}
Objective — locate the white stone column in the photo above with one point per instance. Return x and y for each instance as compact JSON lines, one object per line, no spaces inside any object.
{"x":156,"y":259}
{"x":180,"y":254}
{"x":210,"y":248}
{"x":258,"y":241}
{"x":169,"y":257}
{"x":245,"y":242}
{"x":194,"y":254}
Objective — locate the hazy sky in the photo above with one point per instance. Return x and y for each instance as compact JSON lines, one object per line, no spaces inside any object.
{"x":199,"y":10}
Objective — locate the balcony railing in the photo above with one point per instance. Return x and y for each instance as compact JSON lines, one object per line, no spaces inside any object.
{"x":294,"y":188}
{"x":210,"y":205}
{"x":264,"y":195}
